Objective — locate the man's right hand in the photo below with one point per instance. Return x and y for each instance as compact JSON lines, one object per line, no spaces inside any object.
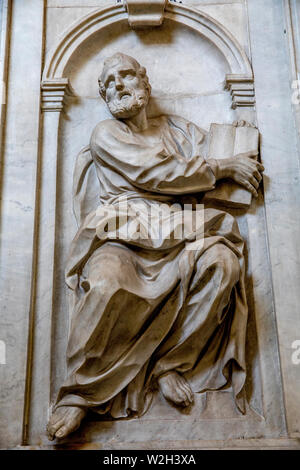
{"x":243,"y":169}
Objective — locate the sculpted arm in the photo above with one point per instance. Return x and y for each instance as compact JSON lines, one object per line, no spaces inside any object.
{"x":150,"y":168}
{"x":243,"y":169}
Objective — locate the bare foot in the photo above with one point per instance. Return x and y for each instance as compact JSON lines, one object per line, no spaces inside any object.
{"x":176,"y":389}
{"x":64,"y":420}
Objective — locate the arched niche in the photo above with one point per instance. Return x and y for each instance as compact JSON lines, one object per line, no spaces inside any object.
{"x":197,"y":20}
{"x":238,"y":77}
{"x":182,"y":81}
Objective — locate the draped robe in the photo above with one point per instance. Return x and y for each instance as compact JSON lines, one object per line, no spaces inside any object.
{"x":148,"y":305}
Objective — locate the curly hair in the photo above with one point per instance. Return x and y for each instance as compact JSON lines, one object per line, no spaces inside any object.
{"x":119,"y":57}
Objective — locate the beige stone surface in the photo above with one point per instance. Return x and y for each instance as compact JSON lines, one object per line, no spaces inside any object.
{"x":19,"y":172}
{"x":232,"y":15}
{"x":60,"y":19}
{"x":282,"y":197}
{"x":230,"y":444}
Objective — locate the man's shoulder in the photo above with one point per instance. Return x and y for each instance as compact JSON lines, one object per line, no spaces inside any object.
{"x":107,"y":125}
{"x":106,"y":132}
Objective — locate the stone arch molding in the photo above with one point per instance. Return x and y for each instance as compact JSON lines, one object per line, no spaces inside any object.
{"x":239,"y":82}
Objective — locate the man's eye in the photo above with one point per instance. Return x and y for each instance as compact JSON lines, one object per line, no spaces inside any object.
{"x":110,"y":83}
{"x":129,"y":76}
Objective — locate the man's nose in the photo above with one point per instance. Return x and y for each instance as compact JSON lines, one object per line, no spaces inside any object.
{"x":119,"y":83}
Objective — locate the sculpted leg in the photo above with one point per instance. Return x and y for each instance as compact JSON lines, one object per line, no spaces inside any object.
{"x":103,"y":355}
{"x":64,"y":421}
{"x":114,"y":333}
{"x":216,"y":273}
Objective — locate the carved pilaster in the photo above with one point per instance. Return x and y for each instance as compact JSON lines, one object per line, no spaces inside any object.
{"x":241,"y":88}
{"x":54,"y":93}
{"x":144,"y":13}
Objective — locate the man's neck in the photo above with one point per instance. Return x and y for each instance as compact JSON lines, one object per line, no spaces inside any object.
{"x":139,"y":122}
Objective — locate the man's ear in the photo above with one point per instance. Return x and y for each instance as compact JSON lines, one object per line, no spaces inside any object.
{"x":102,"y":90}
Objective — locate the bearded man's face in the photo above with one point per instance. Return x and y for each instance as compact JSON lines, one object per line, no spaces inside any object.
{"x":126,"y":93}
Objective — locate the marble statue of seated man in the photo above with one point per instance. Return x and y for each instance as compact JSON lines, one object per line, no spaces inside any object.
{"x":158,"y":312}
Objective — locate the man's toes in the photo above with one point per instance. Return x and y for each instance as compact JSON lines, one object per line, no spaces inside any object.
{"x":51,"y":432}
{"x":186,"y":396}
{"x":176,"y":389}
{"x":50,"y":435}
{"x":181,"y":398}
{"x":190,"y":394}
{"x":187,"y":402}
{"x":53,"y":427}
{"x":187,"y":389}
{"x":55,"y":418}
{"x":67,"y":429}
{"x":62,"y":432}
{"x":184,"y":403}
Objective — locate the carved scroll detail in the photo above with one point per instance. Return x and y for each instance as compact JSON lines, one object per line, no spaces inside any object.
{"x":144,"y":13}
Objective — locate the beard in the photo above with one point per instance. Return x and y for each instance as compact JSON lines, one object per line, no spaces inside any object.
{"x":129,"y":105}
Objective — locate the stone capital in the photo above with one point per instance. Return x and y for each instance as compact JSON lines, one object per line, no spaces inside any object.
{"x":54,"y":94}
{"x":241,"y":88}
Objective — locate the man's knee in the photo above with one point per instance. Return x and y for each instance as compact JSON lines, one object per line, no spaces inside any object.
{"x":222,"y":261}
{"x":227,"y":263}
{"x":104,"y":272}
